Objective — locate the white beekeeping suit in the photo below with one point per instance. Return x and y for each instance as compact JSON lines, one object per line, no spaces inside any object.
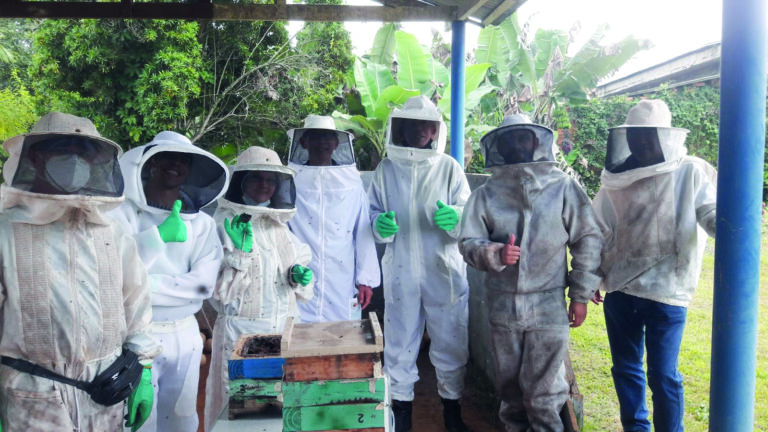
{"x":332,"y":218}
{"x":73,"y":291}
{"x":424,"y":274}
{"x":182,"y":273}
{"x":529,"y":197}
{"x":254,"y":291}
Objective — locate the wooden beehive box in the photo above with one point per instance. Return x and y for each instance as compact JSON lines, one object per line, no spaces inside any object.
{"x":255,"y":373}
{"x":333,"y":379}
{"x":332,"y":350}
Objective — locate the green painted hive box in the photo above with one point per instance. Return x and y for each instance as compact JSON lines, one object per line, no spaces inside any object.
{"x":359,"y":404}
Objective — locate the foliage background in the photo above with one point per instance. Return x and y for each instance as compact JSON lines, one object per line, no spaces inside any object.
{"x":696,"y":108}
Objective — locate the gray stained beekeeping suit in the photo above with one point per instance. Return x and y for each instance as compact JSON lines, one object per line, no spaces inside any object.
{"x":655,"y":218}
{"x":548,"y":213}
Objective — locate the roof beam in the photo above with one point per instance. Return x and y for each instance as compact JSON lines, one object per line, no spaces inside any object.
{"x":500,"y":10}
{"x":207,"y":11}
{"x":468,"y":9}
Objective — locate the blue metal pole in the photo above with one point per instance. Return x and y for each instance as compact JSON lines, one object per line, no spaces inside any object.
{"x":739,"y":195}
{"x":457,"y":91}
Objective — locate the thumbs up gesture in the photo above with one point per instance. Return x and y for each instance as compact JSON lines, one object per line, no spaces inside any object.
{"x":173,"y":228}
{"x":510,"y":255}
{"x":445,"y":217}
{"x":386,"y":225}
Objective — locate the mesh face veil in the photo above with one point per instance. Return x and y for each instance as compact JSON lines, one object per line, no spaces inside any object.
{"x":517,"y":140}
{"x":319,"y":143}
{"x":636,"y":147}
{"x":310,"y":144}
{"x":646,"y":138}
{"x":284,"y":196}
{"x":68,"y":165}
{"x":417,"y":124}
{"x":200,"y":178}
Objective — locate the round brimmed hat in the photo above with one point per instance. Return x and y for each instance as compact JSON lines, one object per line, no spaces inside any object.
{"x":57,"y":124}
{"x":318,"y":122}
{"x":53,"y":125}
{"x":649,"y":113}
{"x":518,"y":121}
{"x":261,"y":159}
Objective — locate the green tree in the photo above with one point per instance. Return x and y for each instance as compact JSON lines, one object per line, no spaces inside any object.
{"x":132,"y":78}
{"x":329,"y":46}
{"x":251,"y":89}
{"x":15,"y":50}
{"x":17,"y":111}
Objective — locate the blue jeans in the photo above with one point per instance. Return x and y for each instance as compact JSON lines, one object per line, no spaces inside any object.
{"x":630,"y":321}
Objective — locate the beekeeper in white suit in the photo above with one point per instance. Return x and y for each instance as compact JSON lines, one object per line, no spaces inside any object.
{"x":264,"y":271}
{"x":519,"y":227}
{"x":655,"y":207}
{"x":417,"y":196}
{"x":74,"y":291}
{"x":167,"y":182}
{"x":332,"y":218}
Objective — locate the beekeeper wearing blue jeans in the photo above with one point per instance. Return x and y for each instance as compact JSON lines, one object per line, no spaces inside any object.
{"x":655,"y":207}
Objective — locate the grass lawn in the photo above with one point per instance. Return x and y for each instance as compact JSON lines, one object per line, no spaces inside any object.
{"x":591,"y":357}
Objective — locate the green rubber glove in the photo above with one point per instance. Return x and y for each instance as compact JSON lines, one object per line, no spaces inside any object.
{"x":173,"y":228}
{"x":140,"y":402}
{"x":445,"y":217}
{"x":241,"y":233}
{"x":386,"y":225}
{"x":301,"y":275}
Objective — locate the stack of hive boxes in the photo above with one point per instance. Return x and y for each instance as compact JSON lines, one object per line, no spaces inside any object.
{"x":332,"y":377}
{"x":255,"y":374}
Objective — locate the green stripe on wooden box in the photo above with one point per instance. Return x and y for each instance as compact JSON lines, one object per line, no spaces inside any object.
{"x":251,"y":388}
{"x":333,"y":417}
{"x":309,"y":393}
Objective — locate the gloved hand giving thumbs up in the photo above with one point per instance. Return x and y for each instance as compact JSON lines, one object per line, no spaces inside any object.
{"x":173,"y":228}
{"x":510,"y":255}
{"x":445,"y":217}
{"x":386,"y":225}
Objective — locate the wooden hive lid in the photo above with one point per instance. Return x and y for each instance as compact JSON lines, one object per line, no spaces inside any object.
{"x":332,"y":338}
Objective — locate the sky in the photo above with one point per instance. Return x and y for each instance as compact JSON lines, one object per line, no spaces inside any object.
{"x":673,"y":27}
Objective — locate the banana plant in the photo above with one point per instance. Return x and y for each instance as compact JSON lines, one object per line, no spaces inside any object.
{"x":397,"y":68}
{"x":537,"y":77}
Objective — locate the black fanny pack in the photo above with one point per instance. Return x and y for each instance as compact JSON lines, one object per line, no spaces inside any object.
{"x":111,"y":386}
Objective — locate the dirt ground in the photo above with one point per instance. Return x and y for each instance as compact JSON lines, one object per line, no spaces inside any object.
{"x":427,"y":409}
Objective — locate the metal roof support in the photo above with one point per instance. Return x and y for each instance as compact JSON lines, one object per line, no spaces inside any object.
{"x":739,"y":196}
{"x":457,"y":90}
